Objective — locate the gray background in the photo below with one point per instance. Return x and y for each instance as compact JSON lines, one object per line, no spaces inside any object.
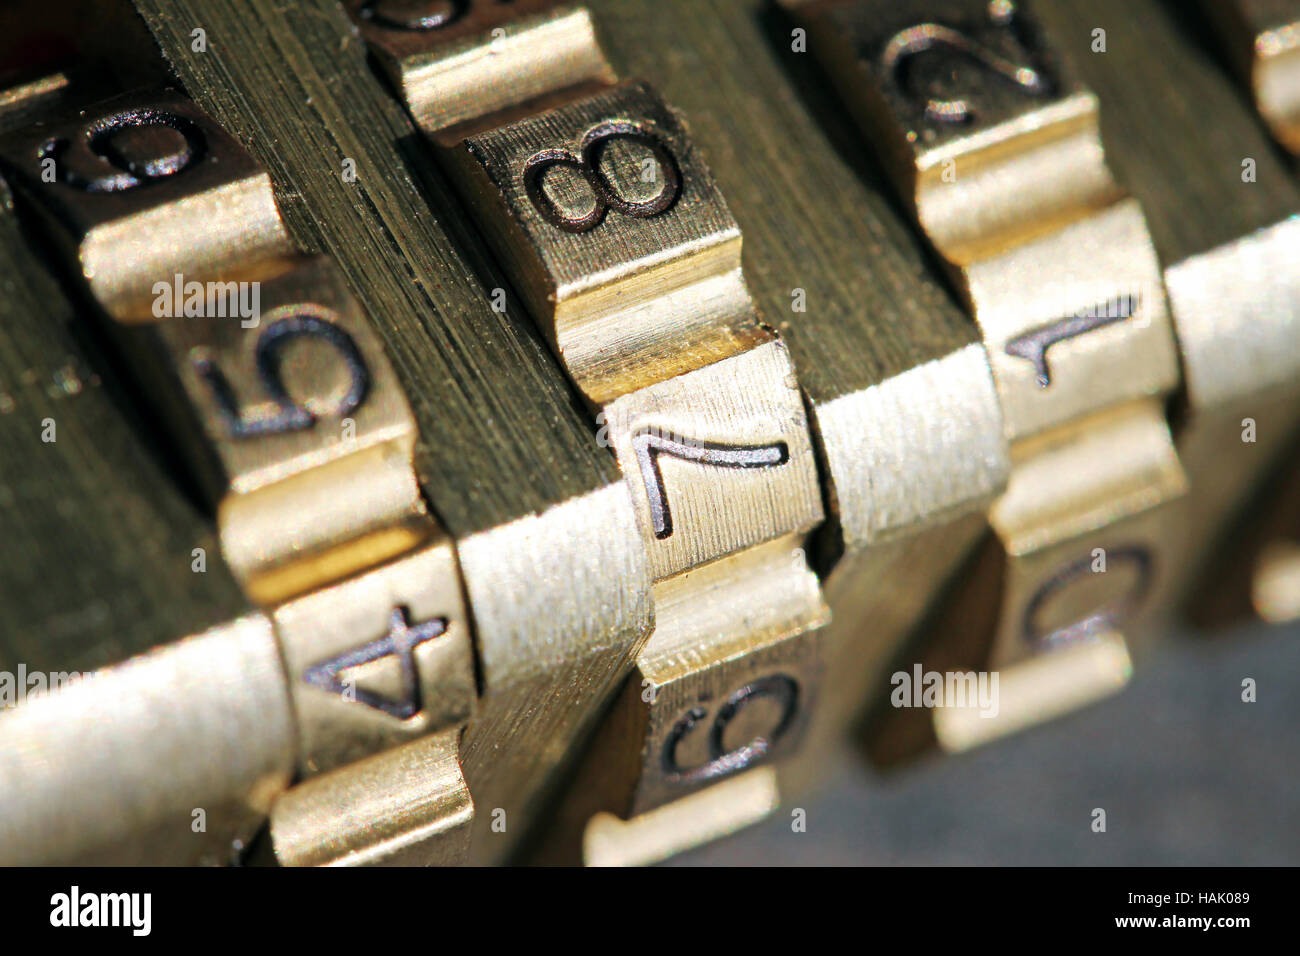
{"x":1188,"y":775}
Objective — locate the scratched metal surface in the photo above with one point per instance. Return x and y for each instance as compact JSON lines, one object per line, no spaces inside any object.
{"x":811,"y":202}
{"x":1194,"y":198}
{"x":97,"y":550}
{"x":96,"y":533}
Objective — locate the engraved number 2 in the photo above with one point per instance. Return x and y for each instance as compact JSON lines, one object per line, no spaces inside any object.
{"x":906,"y":44}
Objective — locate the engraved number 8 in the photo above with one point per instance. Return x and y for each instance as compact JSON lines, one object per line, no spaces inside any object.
{"x":587,"y":165}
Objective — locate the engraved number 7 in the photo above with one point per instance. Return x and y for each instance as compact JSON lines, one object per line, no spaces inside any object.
{"x":649,"y":445}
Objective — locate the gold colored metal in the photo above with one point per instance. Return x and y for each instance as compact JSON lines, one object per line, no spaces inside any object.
{"x":1085,"y":533}
{"x":1271,"y":556}
{"x":555,"y":641}
{"x":629,"y":260}
{"x":314,"y":479}
{"x":264,"y":362}
{"x":998,"y":151}
{"x":1039,"y":690}
{"x":378,"y":659}
{"x":922,"y":448}
{"x":293,"y":417}
{"x":542,"y":521}
{"x":1263,"y":37}
{"x":712,"y":476}
{"x":408,"y":806}
{"x":725,"y":683}
{"x":1093,"y":312}
{"x":613,"y":346}
{"x":1232,"y":285}
{"x":905,"y":416}
{"x":733,"y":653}
{"x":171,"y":730}
{"x":195,"y":736}
{"x":456,"y":65}
{"x":987,"y":158}
{"x":708,"y":815}
{"x":207,"y":212}
{"x":1003,"y":164}
{"x":1276,"y":592}
{"x":26,"y":94}
{"x":1085,"y":555}
{"x":1235,"y":345}
{"x":1235,"y":307}
{"x":623,"y":247}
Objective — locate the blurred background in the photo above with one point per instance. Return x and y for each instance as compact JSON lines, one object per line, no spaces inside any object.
{"x":1187,"y":773}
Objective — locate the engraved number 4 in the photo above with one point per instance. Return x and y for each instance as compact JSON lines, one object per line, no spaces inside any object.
{"x":401,"y":641}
